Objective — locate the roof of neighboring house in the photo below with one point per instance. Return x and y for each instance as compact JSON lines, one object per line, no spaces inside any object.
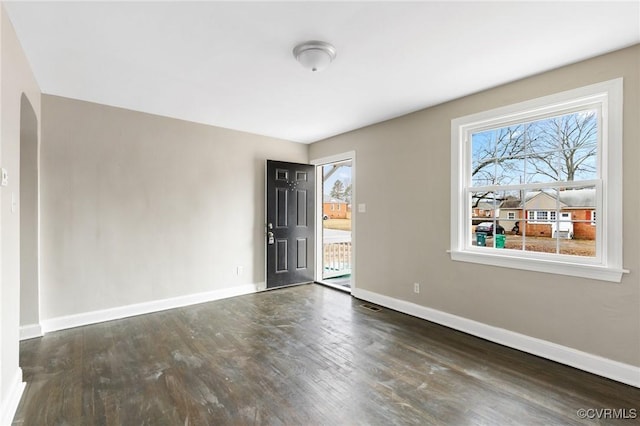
{"x":485,"y":205}
{"x":579,"y":197}
{"x":329,"y":199}
{"x":542,"y":200}
{"x":569,"y":198}
{"x":511,"y":203}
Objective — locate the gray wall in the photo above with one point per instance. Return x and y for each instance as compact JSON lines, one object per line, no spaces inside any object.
{"x":137,"y":207}
{"x":16,"y":79}
{"x":28,"y":215}
{"x":403,"y":176}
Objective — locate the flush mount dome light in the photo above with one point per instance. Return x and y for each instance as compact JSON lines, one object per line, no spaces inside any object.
{"x":314,"y":55}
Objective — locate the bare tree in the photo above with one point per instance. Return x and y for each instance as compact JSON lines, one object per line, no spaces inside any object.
{"x":491,"y":162}
{"x":559,"y":148}
{"x":565,"y":146}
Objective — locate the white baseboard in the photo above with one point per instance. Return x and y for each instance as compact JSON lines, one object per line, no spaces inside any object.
{"x":30,"y":331}
{"x":605,"y":367}
{"x":93,"y":317}
{"x":9,"y":404}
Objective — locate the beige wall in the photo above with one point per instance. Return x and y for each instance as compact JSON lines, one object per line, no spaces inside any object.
{"x":16,"y":78}
{"x":29,"y":299}
{"x":137,"y":207}
{"x":408,"y":160}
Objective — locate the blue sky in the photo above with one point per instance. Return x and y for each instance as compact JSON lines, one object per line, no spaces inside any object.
{"x":343,"y":173}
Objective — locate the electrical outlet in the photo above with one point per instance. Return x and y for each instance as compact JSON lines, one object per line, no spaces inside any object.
{"x":416,"y":287}
{"x":239,"y":270}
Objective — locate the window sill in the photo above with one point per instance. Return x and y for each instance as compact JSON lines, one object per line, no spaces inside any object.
{"x":594,"y":272}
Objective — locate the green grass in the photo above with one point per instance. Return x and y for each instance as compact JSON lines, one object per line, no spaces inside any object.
{"x":340,"y":224}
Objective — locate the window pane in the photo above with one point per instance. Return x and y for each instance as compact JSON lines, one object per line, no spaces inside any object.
{"x":483,"y":205}
{"x":575,"y":247}
{"x":513,"y":242}
{"x":490,"y":154}
{"x":537,"y":238}
{"x":580,"y":212}
{"x":544,"y":167}
{"x":577,"y":236}
{"x":511,"y":211}
{"x":563,"y":148}
{"x":482,"y":159}
{"x":583,"y":199}
{"x":579,"y":164}
{"x":509,"y":171}
{"x":539,"y":203}
{"x":484,"y":173}
{"x":485,"y":208}
{"x":482,"y":144}
{"x":562,"y":228}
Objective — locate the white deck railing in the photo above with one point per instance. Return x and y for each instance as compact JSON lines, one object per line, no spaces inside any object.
{"x":336,"y":256}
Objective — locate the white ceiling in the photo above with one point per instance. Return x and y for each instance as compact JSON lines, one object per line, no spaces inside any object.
{"x":229,"y":64}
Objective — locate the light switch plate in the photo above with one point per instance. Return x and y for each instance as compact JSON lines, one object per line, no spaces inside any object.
{"x":362,"y":208}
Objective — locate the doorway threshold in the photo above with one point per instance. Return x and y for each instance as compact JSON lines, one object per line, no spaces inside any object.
{"x":342,"y":283}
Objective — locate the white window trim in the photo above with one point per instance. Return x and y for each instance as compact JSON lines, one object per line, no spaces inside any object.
{"x":538,"y":216}
{"x":534,"y":216}
{"x":608,"y":265}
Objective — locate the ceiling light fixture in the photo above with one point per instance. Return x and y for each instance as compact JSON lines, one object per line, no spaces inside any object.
{"x":314,"y":55}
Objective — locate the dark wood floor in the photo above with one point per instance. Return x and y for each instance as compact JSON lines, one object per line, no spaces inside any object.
{"x":305,"y":355}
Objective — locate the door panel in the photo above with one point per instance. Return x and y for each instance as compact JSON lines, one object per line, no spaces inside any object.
{"x":290,"y":223}
{"x":281,"y":207}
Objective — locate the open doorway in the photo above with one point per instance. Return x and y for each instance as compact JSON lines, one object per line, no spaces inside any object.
{"x":29,"y":288}
{"x":335,"y":181}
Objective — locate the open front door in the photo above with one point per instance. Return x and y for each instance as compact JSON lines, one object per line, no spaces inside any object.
{"x":290,"y":223}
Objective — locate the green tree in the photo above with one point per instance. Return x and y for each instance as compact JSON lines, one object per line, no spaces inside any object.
{"x":337,"y":191}
{"x":347,"y":194}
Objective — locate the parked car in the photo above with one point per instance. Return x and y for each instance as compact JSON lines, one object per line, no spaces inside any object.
{"x":487,"y":228}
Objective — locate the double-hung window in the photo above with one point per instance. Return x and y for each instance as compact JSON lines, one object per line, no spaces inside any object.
{"x":550,"y":170}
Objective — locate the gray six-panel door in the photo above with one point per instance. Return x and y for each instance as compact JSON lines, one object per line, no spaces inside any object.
{"x":290,"y":223}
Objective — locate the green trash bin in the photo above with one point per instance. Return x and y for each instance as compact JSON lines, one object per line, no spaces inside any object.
{"x":481,"y":239}
{"x":500,"y":239}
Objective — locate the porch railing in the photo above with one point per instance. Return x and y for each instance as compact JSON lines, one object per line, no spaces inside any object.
{"x":336,"y":257}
